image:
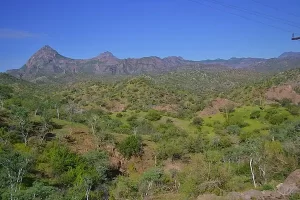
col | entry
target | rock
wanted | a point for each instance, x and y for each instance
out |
(234, 196)
(273, 195)
(291, 185)
(210, 197)
(252, 194)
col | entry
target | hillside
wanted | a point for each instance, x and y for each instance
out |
(284, 85)
(8, 79)
(149, 136)
(188, 133)
(209, 83)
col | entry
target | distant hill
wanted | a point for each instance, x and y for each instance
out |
(286, 61)
(290, 54)
(48, 62)
(7, 79)
(236, 62)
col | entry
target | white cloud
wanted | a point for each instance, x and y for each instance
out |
(17, 34)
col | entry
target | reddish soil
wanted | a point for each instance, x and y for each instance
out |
(166, 108)
(175, 165)
(81, 142)
(115, 106)
(215, 107)
(283, 92)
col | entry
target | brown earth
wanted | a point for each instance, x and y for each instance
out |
(173, 165)
(282, 92)
(166, 108)
(115, 106)
(82, 142)
(215, 107)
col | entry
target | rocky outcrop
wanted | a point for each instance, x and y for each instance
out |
(291, 184)
(283, 92)
(284, 190)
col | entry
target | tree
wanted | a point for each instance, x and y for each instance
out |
(71, 109)
(98, 161)
(5, 93)
(21, 116)
(228, 108)
(46, 120)
(38, 191)
(150, 179)
(93, 121)
(13, 165)
(131, 146)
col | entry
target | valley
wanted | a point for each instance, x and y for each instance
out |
(179, 134)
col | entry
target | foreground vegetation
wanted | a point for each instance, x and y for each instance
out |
(138, 138)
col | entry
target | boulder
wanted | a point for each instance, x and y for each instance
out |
(291, 185)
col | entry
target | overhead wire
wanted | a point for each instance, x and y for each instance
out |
(270, 17)
(275, 8)
(241, 16)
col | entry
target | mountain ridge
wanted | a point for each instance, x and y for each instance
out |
(49, 62)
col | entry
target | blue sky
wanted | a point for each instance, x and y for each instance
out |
(137, 28)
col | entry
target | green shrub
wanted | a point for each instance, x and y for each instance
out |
(133, 120)
(169, 121)
(294, 197)
(270, 112)
(236, 121)
(297, 89)
(267, 187)
(124, 188)
(255, 114)
(233, 129)
(131, 146)
(285, 102)
(174, 149)
(293, 109)
(145, 127)
(153, 115)
(119, 115)
(5, 91)
(277, 119)
(198, 121)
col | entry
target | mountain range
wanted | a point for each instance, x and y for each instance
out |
(48, 62)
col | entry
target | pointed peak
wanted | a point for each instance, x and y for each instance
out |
(174, 58)
(106, 54)
(47, 49)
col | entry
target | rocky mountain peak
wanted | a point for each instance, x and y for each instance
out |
(174, 58)
(106, 55)
(108, 58)
(46, 50)
(43, 55)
